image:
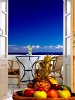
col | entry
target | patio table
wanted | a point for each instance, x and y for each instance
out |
(29, 68)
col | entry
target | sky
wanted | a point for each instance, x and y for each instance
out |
(38, 23)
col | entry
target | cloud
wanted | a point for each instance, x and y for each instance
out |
(53, 47)
(46, 47)
(24, 47)
(15, 48)
(12, 45)
(50, 46)
(35, 48)
(59, 46)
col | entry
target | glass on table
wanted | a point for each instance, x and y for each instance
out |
(30, 50)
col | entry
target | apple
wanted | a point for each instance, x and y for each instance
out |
(24, 90)
(52, 93)
(28, 92)
(55, 86)
(40, 94)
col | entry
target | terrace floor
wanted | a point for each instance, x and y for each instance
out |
(13, 88)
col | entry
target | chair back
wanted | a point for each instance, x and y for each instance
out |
(59, 63)
(13, 67)
(14, 70)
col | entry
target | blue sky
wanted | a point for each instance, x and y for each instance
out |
(35, 22)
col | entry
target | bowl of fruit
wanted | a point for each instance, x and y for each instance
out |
(55, 92)
(43, 86)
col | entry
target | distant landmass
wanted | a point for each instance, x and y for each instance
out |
(37, 53)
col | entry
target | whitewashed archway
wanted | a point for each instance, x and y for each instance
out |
(69, 43)
(3, 48)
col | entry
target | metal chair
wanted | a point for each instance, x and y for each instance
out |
(14, 72)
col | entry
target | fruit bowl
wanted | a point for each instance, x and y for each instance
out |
(17, 96)
(43, 86)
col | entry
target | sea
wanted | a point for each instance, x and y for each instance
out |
(36, 53)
